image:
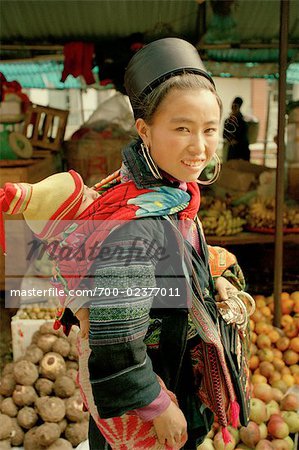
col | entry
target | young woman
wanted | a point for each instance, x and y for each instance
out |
(154, 329)
(162, 338)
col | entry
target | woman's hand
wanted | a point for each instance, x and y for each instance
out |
(83, 316)
(171, 427)
(223, 287)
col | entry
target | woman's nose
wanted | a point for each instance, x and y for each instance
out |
(198, 144)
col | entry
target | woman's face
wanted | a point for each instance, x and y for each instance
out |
(184, 133)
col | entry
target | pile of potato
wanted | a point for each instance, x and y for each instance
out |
(45, 310)
(40, 403)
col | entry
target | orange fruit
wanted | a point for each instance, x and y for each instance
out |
(287, 306)
(278, 363)
(263, 341)
(296, 320)
(271, 306)
(261, 327)
(284, 296)
(277, 353)
(296, 306)
(294, 368)
(290, 357)
(275, 377)
(285, 370)
(253, 362)
(253, 337)
(274, 336)
(294, 344)
(266, 311)
(286, 320)
(253, 349)
(266, 368)
(283, 343)
(288, 379)
(257, 378)
(265, 354)
(257, 316)
(291, 330)
(295, 295)
(260, 301)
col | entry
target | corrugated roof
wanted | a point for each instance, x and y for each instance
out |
(259, 20)
(261, 55)
(24, 22)
(65, 20)
(46, 75)
(41, 74)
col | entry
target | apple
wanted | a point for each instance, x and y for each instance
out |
(280, 444)
(278, 428)
(242, 446)
(263, 391)
(277, 394)
(207, 444)
(272, 408)
(266, 368)
(292, 419)
(250, 434)
(263, 430)
(258, 411)
(290, 402)
(276, 416)
(281, 385)
(235, 433)
(219, 443)
(263, 444)
(290, 442)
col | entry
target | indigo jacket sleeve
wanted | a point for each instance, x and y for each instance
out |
(121, 372)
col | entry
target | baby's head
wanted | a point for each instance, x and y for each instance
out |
(44, 205)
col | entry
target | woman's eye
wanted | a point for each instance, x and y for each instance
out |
(211, 130)
(183, 129)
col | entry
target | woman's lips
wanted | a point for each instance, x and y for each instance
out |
(193, 165)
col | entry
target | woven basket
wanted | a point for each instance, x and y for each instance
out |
(94, 157)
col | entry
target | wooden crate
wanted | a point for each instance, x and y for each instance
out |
(31, 171)
(45, 127)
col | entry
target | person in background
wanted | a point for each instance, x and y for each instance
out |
(235, 133)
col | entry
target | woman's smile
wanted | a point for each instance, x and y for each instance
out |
(184, 132)
(194, 164)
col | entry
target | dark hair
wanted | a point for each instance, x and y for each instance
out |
(148, 104)
(238, 101)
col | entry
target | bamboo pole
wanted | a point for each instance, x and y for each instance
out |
(278, 256)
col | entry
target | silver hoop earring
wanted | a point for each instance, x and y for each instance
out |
(216, 172)
(150, 162)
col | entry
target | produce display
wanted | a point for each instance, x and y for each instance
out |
(261, 214)
(228, 216)
(219, 219)
(36, 311)
(40, 403)
(274, 357)
(41, 407)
